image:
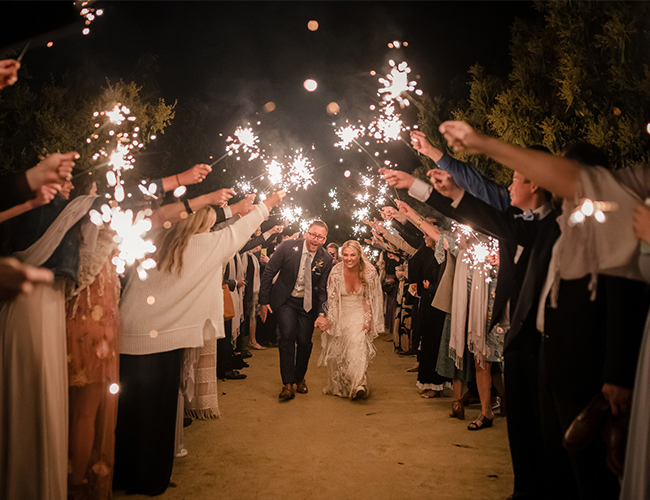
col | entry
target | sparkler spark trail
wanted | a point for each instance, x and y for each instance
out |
(246, 140)
(348, 135)
(130, 231)
(396, 83)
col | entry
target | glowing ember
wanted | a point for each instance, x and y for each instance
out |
(245, 139)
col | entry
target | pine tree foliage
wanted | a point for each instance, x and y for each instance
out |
(580, 71)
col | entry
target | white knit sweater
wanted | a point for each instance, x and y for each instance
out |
(188, 309)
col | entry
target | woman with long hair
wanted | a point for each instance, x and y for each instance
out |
(355, 317)
(179, 306)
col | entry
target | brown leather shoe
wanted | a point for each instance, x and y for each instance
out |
(287, 393)
(301, 388)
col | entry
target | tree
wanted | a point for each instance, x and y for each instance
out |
(59, 117)
(580, 71)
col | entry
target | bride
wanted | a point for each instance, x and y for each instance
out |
(355, 317)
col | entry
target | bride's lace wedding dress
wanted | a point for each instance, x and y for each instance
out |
(356, 318)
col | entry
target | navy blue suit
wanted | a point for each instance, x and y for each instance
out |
(296, 324)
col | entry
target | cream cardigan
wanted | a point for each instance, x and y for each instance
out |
(186, 309)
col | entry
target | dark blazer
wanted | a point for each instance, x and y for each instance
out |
(286, 261)
(521, 282)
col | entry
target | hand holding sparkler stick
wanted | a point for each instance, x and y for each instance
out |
(422, 145)
(176, 211)
(397, 178)
(53, 169)
(462, 137)
(274, 199)
(243, 206)
(191, 176)
(444, 183)
(8, 72)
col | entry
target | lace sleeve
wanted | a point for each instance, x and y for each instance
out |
(373, 303)
(333, 306)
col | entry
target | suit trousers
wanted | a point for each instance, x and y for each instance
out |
(524, 413)
(224, 351)
(295, 345)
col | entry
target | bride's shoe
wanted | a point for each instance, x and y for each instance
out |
(360, 393)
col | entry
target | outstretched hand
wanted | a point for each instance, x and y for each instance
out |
(274, 199)
(462, 137)
(397, 178)
(53, 169)
(243, 206)
(444, 183)
(220, 197)
(8, 72)
(195, 174)
(422, 145)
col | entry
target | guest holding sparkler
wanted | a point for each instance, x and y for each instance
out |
(186, 312)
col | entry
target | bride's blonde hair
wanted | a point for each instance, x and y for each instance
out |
(363, 261)
(175, 241)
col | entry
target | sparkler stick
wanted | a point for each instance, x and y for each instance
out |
(22, 54)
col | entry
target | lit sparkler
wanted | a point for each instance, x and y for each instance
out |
(246, 140)
(396, 83)
(349, 134)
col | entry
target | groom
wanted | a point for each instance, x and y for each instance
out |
(296, 297)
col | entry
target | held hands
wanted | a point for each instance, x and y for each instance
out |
(195, 174)
(322, 323)
(220, 197)
(8, 72)
(53, 169)
(444, 183)
(641, 223)
(462, 137)
(274, 199)
(397, 178)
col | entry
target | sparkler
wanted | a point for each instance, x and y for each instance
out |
(348, 135)
(244, 139)
(396, 83)
(478, 254)
(130, 231)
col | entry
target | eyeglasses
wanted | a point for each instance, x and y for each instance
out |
(317, 237)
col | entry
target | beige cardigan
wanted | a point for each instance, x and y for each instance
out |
(187, 309)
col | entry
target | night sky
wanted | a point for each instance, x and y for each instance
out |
(236, 56)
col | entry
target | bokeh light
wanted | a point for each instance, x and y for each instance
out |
(312, 25)
(333, 108)
(310, 85)
(269, 107)
(346, 173)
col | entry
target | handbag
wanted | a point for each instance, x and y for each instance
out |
(228, 306)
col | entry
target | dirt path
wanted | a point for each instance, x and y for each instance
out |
(394, 445)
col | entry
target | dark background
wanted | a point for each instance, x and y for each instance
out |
(230, 58)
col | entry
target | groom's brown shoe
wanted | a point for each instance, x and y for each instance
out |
(302, 387)
(287, 393)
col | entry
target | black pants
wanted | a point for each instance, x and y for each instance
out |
(521, 381)
(296, 329)
(224, 351)
(431, 322)
(146, 422)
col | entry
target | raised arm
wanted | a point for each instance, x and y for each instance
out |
(465, 175)
(554, 173)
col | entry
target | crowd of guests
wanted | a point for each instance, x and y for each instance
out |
(508, 296)
(561, 306)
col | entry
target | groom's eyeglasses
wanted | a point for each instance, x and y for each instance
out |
(317, 237)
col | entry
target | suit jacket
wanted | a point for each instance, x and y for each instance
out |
(286, 261)
(521, 282)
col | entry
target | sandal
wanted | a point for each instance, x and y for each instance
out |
(482, 422)
(430, 394)
(457, 410)
(256, 346)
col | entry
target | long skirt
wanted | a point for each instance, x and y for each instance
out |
(34, 396)
(146, 422)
